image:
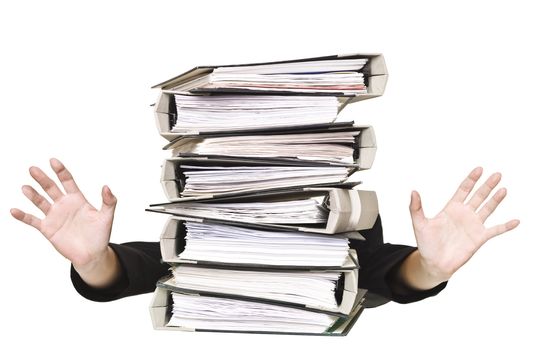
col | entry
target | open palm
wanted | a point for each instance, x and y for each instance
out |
(450, 239)
(75, 228)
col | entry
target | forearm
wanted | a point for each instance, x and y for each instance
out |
(416, 274)
(103, 272)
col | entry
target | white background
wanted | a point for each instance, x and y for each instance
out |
(463, 91)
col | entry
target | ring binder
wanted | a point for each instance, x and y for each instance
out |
(222, 183)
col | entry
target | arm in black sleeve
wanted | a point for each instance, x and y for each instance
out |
(141, 267)
(379, 266)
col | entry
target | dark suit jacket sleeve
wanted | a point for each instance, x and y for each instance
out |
(141, 268)
(379, 264)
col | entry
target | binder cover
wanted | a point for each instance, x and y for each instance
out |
(348, 295)
(172, 243)
(161, 312)
(365, 145)
(375, 73)
(173, 179)
(349, 210)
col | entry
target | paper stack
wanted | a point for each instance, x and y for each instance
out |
(262, 209)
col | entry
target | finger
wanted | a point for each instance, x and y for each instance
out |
(109, 201)
(38, 200)
(48, 185)
(417, 212)
(502, 228)
(28, 219)
(467, 185)
(483, 191)
(490, 206)
(64, 176)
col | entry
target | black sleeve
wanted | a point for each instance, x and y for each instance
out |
(379, 263)
(141, 268)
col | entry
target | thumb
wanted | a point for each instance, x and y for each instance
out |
(417, 213)
(109, 201)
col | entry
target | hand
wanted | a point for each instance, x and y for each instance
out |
(74, 227)
(448, 240)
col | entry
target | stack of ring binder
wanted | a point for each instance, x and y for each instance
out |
(260, 201)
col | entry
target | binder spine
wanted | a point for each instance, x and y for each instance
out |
(369, 209)
(168, 240)
(340, 211)
(160, 308)
(349, 293)
(350, 210)
(165, 115)
(170, 188)
(377, 65)
(172, 180)
(367, 138)
(376, 76)
(366, 157)
(366, 148)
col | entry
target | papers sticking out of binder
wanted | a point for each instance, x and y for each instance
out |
(199, 176)
(240, 112)
(263, 206)
(331, 292)
(331, 144)
(344, 75)
(172, 310)
(323, 210)
(186, 114)
(213, 98)
(190, 241)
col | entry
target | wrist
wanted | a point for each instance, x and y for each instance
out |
(102, 271)
(432, 271)
(418, 273)
(94, 262)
